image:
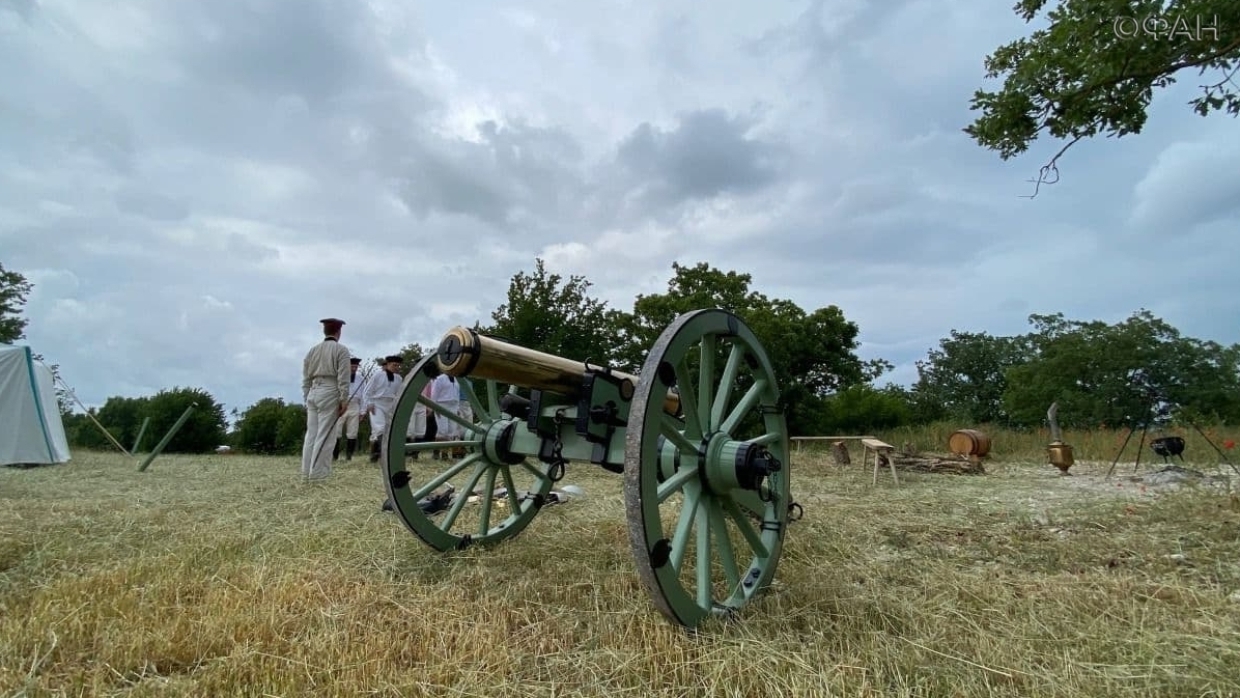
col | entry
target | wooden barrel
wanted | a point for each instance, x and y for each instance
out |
(969, 442)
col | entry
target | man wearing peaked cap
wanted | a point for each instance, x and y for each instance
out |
(349, 423)
(381, 392)
(325, 390)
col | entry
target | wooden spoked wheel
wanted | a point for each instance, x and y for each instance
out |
(470, 490)
(707, 493)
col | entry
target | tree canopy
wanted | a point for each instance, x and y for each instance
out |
(813, 354)
(1115, 374)
(271, 427)
(966, 377)
(1096, 66)
(551, 314)
(203, 431)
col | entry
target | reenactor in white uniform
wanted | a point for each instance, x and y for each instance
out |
(380, 399)
(325, 389)
(349, 423)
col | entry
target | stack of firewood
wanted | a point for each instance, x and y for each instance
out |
(909, 459)
(929, 463)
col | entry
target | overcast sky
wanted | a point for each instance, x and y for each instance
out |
(191, 186)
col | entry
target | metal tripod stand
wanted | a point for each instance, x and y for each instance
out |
(1145, 427)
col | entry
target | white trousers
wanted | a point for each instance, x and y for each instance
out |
(382, 416)
(349, 423)
(417, 425)
(448, 429)
(316, 455)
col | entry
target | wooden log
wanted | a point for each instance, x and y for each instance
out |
(938, 464)
(839, 453)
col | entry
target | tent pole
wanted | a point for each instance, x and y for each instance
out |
(163, 443)
(141, 431)
(94, 421)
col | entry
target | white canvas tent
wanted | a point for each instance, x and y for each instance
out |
(30, 428)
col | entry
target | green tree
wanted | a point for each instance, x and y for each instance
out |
(271, 427)
(551, 314)
(205, 429)
(122, 417)
(1095, 68)
(81, 433)
(965, 378)
(860, 409)
(1092, 369)
(292, 429)
(14, 289)
(813, 354)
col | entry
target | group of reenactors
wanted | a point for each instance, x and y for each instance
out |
(338, 397)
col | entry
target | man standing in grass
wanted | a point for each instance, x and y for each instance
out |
(348, 425)
(325, 389)
(381, 392)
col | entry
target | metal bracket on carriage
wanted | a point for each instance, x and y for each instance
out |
(551, 447)
(599, 407)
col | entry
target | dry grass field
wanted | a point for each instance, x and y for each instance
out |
(225, 576)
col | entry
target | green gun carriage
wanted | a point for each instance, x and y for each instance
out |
(698, 437)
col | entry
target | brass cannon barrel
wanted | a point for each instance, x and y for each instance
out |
(464, 352)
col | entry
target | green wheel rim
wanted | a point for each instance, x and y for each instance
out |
(703, 548)
(474, 513)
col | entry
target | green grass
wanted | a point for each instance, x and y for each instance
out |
(224, 575)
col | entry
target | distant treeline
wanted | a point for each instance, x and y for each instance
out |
(1100, 374)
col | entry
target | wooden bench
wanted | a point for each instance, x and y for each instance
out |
(880, 449)
(801, 439)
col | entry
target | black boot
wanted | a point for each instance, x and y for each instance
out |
(376, 450)
(350, 448)
(336, 451)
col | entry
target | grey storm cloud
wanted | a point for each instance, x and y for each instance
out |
(192, 186)
(508, 171)
(708, 153)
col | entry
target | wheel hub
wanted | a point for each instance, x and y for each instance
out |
(728, 465)
(497, 443)
(754, 464)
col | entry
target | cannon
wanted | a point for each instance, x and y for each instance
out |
(698, 436)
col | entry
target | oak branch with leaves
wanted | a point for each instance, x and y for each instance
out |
(1093, 71)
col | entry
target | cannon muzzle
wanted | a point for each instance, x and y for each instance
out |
(464, 352)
